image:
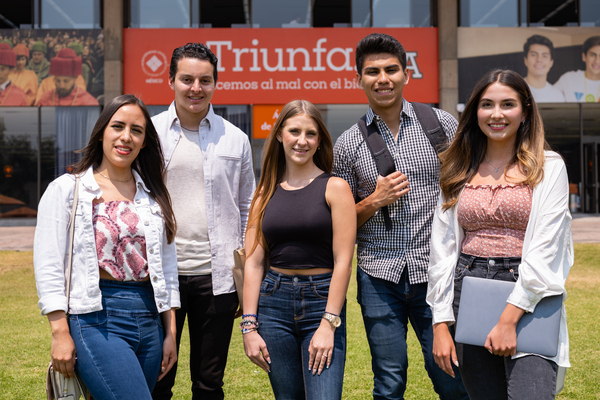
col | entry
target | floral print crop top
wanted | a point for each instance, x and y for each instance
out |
(120, 240)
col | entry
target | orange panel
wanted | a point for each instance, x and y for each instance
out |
(263, 119)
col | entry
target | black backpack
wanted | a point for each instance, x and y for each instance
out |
(383, 159)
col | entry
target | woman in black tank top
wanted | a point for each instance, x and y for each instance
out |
(302, 228)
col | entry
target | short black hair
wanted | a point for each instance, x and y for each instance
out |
(378, 43)
(193, 50)
(589, 43)
(538, 39)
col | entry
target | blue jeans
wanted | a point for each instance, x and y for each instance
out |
(119, 349)
(290, 310)
(491, 377)
(387, 307)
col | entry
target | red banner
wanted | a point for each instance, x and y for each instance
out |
(276, 65)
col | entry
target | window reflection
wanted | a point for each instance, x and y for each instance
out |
(361, 13)
(281, 13)
(18, 158)
(489, 13)
(76, 14)
(401, 13)
(590, 12)
(161, 13)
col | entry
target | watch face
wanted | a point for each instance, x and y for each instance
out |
(334, 320)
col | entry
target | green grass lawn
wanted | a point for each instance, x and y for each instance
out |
(25, 341)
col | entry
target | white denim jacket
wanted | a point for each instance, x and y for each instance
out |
(228, 186)
(546, 259)
(50, 252)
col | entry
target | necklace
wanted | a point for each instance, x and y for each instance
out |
(496, 169)
(112, 179)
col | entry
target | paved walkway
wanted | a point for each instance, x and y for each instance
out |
(586, 229)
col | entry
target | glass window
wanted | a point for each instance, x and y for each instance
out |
(224, 13)
(489, 13)
(591, 119)
(339, 117)
(331, 13)
(73, 127)
(401, 13)
(361, 13)
(553, 13)
(76, 14)
(160, 13)
(590, 12)
(281, 13)
(561, 125)
(19, 160)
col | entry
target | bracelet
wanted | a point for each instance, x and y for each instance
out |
(249, 315)
(248, 325)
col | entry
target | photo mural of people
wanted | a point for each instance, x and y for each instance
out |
(560, 65)
(52, 66)
(584, 85)
(539, 58)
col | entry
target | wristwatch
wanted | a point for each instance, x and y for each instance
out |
(333, 319)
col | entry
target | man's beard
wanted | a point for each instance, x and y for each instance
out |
(64, 92)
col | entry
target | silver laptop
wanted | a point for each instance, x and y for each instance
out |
(482, 301)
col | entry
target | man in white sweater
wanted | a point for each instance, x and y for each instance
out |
(210, 179)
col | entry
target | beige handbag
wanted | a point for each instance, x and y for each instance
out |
(57, 385)
(239, 260)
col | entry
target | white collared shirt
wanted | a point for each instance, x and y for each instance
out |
(50, 248)
(228, 185)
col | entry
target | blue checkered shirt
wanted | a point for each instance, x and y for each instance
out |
(384, 254)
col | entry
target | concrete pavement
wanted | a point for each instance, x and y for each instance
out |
(586, 229)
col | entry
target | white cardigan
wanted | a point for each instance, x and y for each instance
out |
(546, 259)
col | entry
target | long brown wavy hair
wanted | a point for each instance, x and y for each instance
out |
(149, 163)
(273, 162)
(461, 160)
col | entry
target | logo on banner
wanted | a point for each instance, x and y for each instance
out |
(154, 63)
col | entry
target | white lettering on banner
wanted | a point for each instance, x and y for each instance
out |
(237, 85)
(411, 57)
(265, 127)
(347, 52)
(306, 59)
(219, 43)
(220, 47)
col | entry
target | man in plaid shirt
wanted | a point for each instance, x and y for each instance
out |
(392, 273)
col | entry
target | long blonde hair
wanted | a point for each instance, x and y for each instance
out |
(273, 162)
(461, 160)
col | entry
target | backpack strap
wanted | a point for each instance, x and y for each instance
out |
(381, 154)
(431, 126)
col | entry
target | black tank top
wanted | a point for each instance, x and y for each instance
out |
(297, 227)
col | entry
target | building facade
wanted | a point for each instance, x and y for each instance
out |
(274, 51)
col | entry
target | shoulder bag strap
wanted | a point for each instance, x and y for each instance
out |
(71, 234)
(381, 154)
(431, 126)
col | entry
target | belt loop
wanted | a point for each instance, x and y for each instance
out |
(470, 261)
(310, 279)
(506, 263)
(278, 281)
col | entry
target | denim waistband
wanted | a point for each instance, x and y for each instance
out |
(299, 279)
(490, 262)
(127, 297)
